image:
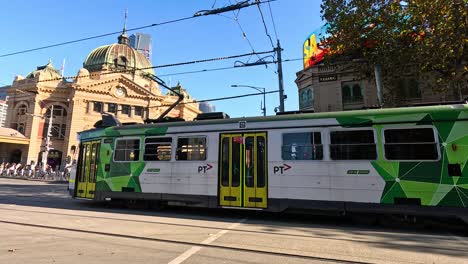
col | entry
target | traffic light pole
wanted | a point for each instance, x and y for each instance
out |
(47, 142)
(280, 77)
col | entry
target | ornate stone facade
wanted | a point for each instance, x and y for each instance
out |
(338, 87)
(112, 81)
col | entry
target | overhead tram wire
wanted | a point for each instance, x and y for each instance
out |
(170, 74)
(225, 68)
(244, 35)
(158, 66)
(95, 37)
(272, 20)
(220, 98)
(265, 26)
(196, 15)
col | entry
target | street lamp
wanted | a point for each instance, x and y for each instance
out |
(260, 89)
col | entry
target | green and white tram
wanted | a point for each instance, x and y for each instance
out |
(405, 160)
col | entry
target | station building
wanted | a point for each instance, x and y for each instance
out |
(113, 80)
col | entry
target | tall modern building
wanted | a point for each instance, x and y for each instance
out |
(142, 43)
(3, 93)
(3, 113)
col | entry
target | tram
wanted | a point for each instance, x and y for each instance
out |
(409, 160)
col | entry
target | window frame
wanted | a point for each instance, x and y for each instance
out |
(115, 148)
(128, 108)
(172, 156)
(116, 108)
(101, 106)
(329, 139)
(436, 141)
(322, 138)
(353, 99)
(141, 114)
(191, 136)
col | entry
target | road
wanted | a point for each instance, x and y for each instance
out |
(39, 223)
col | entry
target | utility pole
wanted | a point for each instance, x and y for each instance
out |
(45, 153)
(379, 84)
(280, 77)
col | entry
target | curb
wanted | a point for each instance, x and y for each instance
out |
(38, 180)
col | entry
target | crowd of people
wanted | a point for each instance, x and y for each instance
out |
(33, 171)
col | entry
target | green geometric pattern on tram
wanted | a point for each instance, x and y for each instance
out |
(432, 172)
(354, 121)
(102, 186)
(421, 190)
(156, 131)
(125, 175)
(430, 181)
(444, 128)
(454, 198)
(392, 190)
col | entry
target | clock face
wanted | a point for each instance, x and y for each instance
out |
(120, 92)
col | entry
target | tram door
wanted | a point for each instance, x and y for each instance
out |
(87, 169)
(243, 170)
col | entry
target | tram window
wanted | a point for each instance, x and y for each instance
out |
(225, 162)
(249, 162)
(261, 161)
(352, 145)
(302, 146)
(236, 163)
(191, 148)
(157, 149)
(127, 150)
(410, 144)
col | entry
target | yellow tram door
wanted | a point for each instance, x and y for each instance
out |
(83, 164)
(243, 170)
(230, 170)
(255, 171)
(87, 169)
(93, 167)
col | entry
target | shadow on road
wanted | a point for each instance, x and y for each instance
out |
(434, 237)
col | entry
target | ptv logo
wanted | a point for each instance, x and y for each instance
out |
(281, 169)
(203, 169)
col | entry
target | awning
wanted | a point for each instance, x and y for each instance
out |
(14, 140)
(11, 136)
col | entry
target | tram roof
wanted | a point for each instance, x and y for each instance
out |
(353, 114)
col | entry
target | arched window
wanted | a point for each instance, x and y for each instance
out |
(310, 96)
(306, 97)
(19, 120)
(21, 128)
(59, 122)
(121, 62)
(357, 93)
(59, 111)
(351, 92)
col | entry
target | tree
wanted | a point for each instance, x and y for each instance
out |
(420, 37)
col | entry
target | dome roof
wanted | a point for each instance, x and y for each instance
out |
(117, 56)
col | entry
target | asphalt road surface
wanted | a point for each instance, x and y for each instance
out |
(39, 223)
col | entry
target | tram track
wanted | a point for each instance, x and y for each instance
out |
(186, 243)
(232, 230)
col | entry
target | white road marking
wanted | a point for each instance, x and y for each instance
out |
(193, 250)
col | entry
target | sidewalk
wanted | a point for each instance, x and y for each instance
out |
(43, 179)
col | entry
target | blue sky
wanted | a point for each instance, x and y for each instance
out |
(31, 24)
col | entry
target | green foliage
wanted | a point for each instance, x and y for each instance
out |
(427, 37)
